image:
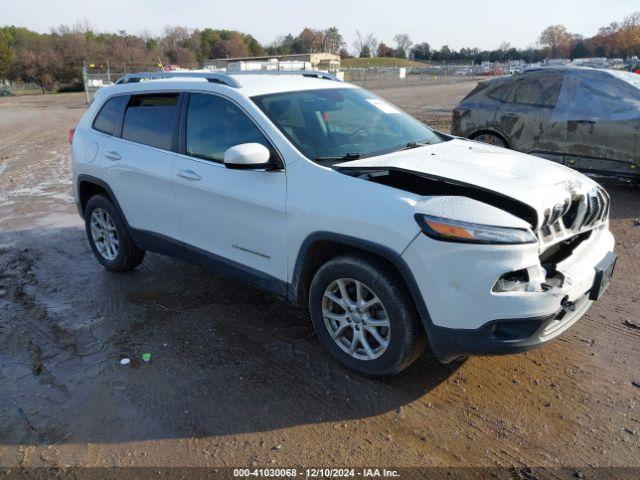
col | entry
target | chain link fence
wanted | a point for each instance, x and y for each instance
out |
(379, 77)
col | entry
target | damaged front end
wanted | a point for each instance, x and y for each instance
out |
(501, 297)
(559, 228)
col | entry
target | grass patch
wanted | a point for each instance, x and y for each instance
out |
(379, 62)
(28, 91)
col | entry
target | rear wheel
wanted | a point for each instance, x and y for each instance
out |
(108, 236)
(491, 139)
(364, 316)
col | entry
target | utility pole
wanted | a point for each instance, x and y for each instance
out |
(85, 81)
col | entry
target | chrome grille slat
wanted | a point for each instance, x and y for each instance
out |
(577, 213)
(596, 207)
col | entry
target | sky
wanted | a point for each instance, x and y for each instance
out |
(458, 23)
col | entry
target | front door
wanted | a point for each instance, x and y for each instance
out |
(603, 124)
(235, 218)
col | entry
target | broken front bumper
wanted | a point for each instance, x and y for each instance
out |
(501, 337)
(466, 317)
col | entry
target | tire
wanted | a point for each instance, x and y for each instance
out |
(491, 139)
(404, 338)
(108, 236)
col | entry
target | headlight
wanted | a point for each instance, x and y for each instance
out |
(454, 231)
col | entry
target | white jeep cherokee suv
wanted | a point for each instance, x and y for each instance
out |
(321, 192)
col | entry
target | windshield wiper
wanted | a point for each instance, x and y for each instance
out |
(415, 144)
(344, 158)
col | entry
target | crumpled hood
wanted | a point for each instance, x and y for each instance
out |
(534, 181)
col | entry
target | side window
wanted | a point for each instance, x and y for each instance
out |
(600, 96)
(501, 91)
(538, 89)
(149, 119)
(214, 125)
(109, 116)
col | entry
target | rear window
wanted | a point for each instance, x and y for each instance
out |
(109, 116)
(149, 119)
(540, 89)
(500, 92)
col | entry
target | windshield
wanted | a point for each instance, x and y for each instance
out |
(343, 123)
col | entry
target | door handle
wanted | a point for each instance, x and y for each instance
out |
(112, 155)
(189, 175)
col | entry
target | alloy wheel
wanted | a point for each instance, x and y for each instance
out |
(356, 319)
(104, 234)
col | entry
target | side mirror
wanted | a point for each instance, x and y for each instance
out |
(247, 156)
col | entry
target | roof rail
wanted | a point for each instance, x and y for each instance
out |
(225, 78)
(213, 77)
(304, 73)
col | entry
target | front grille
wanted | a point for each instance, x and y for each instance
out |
(574, 215)
(552, 216)
(569, 218)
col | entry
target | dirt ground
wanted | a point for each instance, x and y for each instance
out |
(238, 378)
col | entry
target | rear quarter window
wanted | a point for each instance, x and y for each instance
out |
(478, 88)
(110, 114)
(150, 119)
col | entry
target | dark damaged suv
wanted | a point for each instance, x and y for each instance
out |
(584, 118)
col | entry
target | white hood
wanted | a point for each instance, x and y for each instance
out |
(531, 180)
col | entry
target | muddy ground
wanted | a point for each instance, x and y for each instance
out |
(238, 378)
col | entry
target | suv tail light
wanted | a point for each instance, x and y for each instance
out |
(71, 134)
(459, 112)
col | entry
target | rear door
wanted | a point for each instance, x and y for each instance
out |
(529, 118)
(139, 164)
(236, 218)
(603, 123)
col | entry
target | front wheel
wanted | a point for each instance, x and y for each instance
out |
(491, 139)
(364, 316)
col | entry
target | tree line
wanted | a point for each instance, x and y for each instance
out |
(616, 40)
(55, 59)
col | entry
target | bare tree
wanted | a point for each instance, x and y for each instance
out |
(359, 43)
(176, 36)
(403, 44)
(372, 42)
(365, 45)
